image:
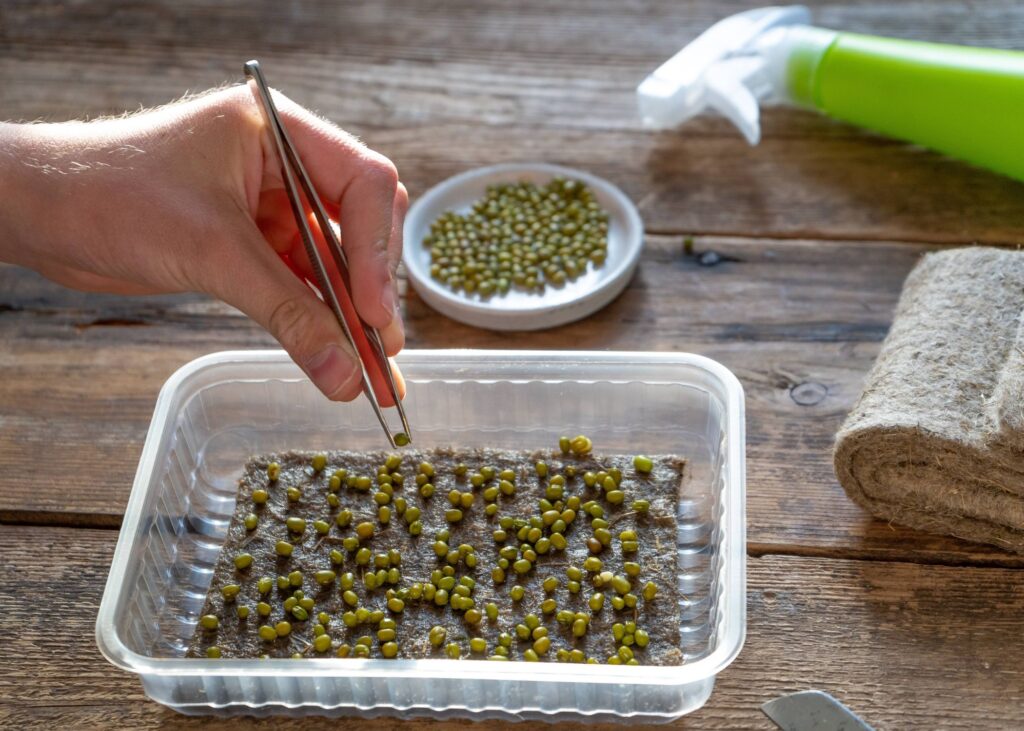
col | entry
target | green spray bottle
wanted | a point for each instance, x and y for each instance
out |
(962, 101)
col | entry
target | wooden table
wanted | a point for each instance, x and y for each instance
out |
(814, 230)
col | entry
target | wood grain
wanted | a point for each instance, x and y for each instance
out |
(917, 647)
(798, 322)
(443, 87)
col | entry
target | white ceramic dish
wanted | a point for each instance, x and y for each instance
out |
(521, 310)
(220, 409)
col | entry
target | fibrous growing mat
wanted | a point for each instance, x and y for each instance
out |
(936, 441)
(483, 554)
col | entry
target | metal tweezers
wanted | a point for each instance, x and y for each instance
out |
(365, 340)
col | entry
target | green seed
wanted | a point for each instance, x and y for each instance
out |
(401, 439)
(322, 643)
(365, 530)
(550, 584)
(592, 564)
(263, 609)
(621, 584)
(284, 548)
(251, 521)
(395, 604)
(579, 627)
(264, 585)
(273, 471)
(209, 621)
(296, 525)
(580, 445)
(322, 527)
(427, 489)
(542, 469)
(573, 587)
(300, 613)
(324, 577)
(596, 601)
(319, 462)
(294, 494)
(260, 496)
(650, 590)
(437, 635)
(384, 515)
(631, 568)
(641, 506)
(389, 649)
(343, 519)
(267, 633)
(230, 592)
(461, 470)
(213, 652)
(564, 444)
(350, 598)
(473, 616)
(615, 497)
(522, 566)
(517, 593)
(283, 628)
(453, 651)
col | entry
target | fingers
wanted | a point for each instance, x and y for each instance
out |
(364, 184)
(253, 279)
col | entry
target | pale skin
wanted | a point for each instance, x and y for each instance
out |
(189, 198)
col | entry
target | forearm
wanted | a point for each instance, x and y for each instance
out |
(26, 182)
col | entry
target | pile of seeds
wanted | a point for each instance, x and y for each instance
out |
(523, 556)
(521, 235)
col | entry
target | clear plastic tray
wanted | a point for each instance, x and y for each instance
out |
(218, 410)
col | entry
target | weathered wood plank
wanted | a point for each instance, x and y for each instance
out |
(444, 87)
(906, 646)
(799, 323)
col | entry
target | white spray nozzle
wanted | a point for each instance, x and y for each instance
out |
(727, 68)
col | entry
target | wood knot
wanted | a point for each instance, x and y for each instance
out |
(808, 393)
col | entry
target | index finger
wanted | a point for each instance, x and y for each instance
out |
(363, 184)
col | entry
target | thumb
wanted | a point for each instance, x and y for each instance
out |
(259, 284)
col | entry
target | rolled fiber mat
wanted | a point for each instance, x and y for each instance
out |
(936, 441)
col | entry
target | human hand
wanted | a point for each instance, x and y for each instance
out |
(189, 197)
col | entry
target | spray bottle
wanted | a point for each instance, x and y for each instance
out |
(963, 101)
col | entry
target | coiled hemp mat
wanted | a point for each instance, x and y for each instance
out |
(936, 441)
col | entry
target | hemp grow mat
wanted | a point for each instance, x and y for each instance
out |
(936, 441)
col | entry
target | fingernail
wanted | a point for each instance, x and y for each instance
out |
(394, 334)
(331, 369)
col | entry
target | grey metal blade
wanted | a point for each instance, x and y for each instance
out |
(812, 710)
